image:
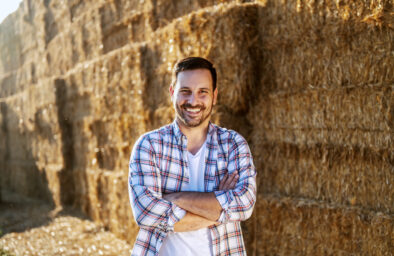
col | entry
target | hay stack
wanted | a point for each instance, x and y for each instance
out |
(323, 129)
(308, 83)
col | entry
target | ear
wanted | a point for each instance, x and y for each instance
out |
(171, 90)
(215, 96)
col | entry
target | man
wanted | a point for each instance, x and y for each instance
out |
(191, 183)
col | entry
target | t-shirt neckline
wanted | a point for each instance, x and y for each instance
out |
(199, 151)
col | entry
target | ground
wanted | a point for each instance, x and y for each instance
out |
(35, 228)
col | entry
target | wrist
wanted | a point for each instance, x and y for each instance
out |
(172, 197)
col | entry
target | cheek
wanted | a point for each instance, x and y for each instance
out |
(208, 101)
(179, 101)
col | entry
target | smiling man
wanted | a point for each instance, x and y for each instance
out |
(191, 182)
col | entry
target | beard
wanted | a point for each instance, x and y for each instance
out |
(186, 120)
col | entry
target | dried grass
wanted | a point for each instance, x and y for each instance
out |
(343, 175)
(349, 116)
(312, 44)
(36, 229)
(305, 227)
(100, 195)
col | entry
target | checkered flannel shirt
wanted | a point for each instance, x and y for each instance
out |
(158, 165)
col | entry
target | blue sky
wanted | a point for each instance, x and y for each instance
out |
(7, 7)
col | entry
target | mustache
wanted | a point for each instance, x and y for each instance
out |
(187, 105)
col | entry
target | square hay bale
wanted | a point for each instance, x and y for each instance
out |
(304, 227)
(341, 175)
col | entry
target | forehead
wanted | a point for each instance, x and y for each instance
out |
(194, 78)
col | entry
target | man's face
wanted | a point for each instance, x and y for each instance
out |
(193, 97)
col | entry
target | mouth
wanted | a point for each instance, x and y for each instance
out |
(193, 111)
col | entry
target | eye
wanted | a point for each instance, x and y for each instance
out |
(184, 91)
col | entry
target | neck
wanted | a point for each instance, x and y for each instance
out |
(196, 136)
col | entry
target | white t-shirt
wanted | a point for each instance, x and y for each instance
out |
(192, 243)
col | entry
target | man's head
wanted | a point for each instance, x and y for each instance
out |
(193, 91)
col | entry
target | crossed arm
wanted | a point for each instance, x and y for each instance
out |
(202, 208)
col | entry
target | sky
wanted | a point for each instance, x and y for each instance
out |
(7, 7)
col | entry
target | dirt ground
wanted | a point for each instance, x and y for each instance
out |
(35, 228)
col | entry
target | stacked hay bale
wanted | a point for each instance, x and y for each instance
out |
(323, 129)
(308, 83)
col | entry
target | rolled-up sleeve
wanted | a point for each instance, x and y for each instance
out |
(150, 210)
(237, 204)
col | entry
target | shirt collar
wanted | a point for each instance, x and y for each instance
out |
(177, 131)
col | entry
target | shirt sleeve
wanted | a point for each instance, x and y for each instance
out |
(149, 209)
(237, 204)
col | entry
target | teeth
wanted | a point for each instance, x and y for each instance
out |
(193, 110)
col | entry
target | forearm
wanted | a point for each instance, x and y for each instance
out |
(203, 204)
(192, 222)
(149, 210)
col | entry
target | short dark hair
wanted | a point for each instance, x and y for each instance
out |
(191, 63)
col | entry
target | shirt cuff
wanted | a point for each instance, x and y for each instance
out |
(224, 198)
(176, 214)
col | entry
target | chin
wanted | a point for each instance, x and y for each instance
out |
(192, 124)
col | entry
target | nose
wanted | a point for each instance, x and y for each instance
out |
(192, 100)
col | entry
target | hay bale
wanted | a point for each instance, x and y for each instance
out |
(355, 116)
(32, 144)
(342, 175)
(307, 227)
(104, 99)
(99, 195)
(312, 43)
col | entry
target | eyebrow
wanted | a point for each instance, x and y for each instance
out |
(187, 87)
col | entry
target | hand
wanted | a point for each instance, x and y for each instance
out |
(229, 181)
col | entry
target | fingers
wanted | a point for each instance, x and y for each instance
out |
(229, 181)
(233, 181)
(223, 181)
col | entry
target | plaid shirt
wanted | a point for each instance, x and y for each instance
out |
(159, 165)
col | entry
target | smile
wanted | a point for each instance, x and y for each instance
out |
(193, 110)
